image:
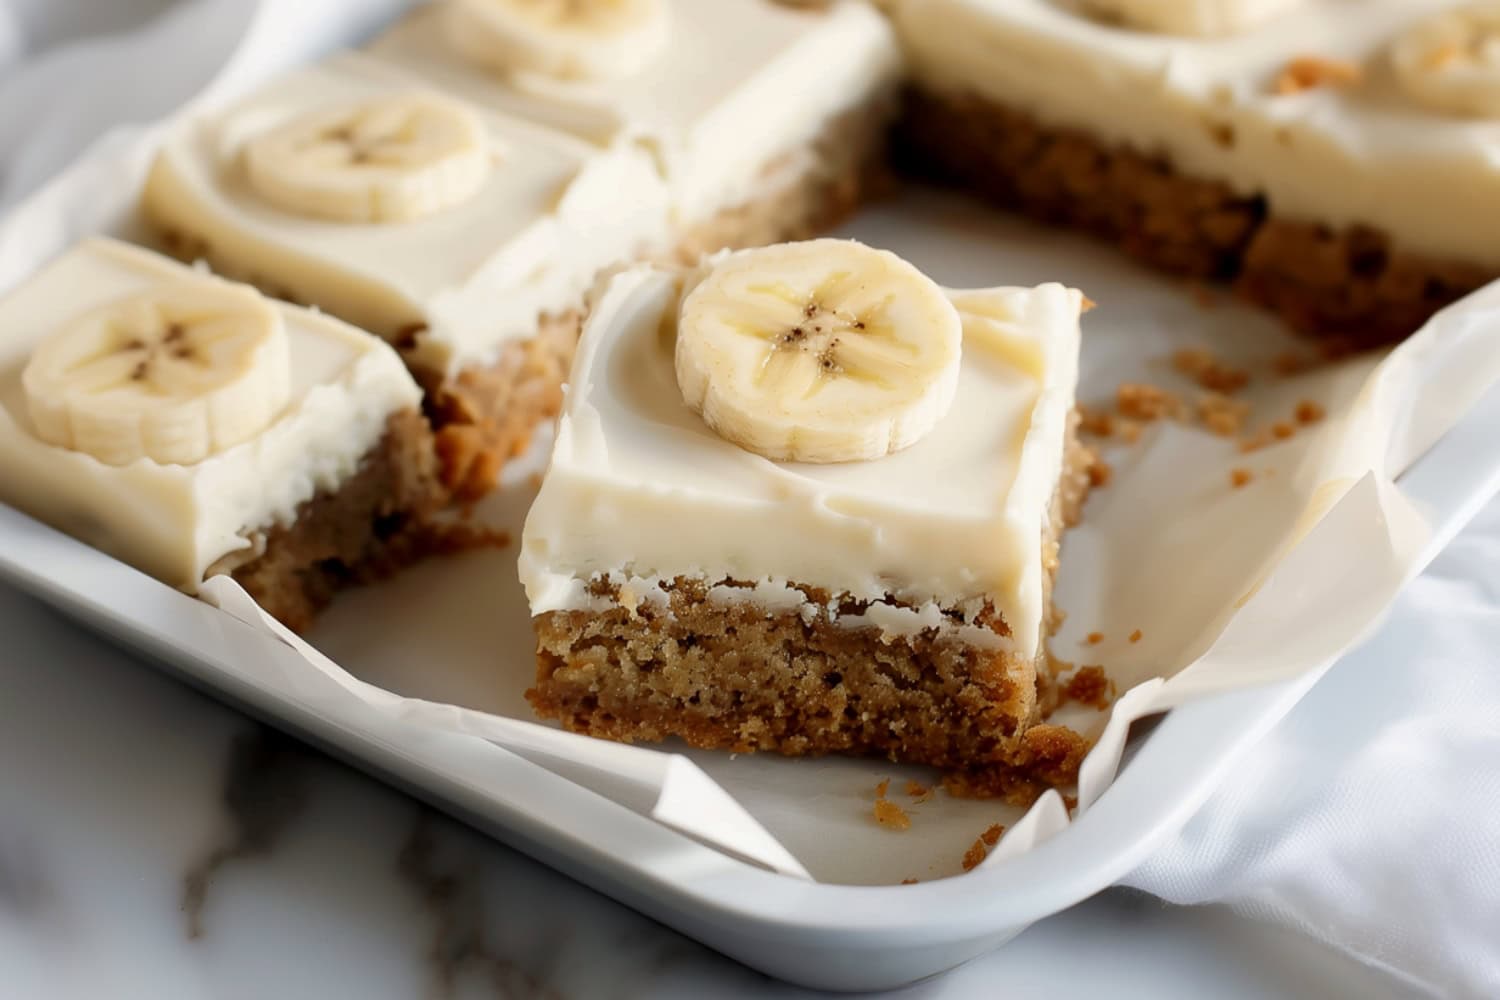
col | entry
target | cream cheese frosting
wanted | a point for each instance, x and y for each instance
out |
(640, 487)
(1368, 154)
(175, 521)
(550, 214)
(739, 85)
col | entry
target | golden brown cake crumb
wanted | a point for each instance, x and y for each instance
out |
(1070, 802)
(918, 791)
(1310, 72)
(1135, 636)
(908, 881)
(1099, 423)
(882, 788)
(1143, 401)
(974, 855)
(1093, 638)
(891, 816)
(1100, 473)
(991, 836)
(1281, 430)
(1309, 412)
(1239, 477)
(1090, 686)
(1221, 415)
(1200, 365)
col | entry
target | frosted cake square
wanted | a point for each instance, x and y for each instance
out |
(465, 237)
(1328, 157)
(804, 500)
(769, 119)
(190, 427)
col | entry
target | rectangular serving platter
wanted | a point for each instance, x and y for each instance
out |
(844, 937)
(830, 936)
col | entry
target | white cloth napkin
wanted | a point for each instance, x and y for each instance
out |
(1370, 818)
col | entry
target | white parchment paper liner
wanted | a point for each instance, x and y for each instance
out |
(1230, 588)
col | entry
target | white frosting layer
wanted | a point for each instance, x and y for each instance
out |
(552, 213)
(639, 484)
(174, 521)
(740, 85)
(1369, 154)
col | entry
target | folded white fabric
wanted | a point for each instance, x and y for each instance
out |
(1370, 818)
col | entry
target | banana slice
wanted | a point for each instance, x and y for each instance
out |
(571, 39)
(1451, 62)
(1187, 17)
(823, 351)
(173, 375)
(392, 159)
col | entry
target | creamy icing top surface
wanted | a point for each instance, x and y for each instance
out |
(639, 484)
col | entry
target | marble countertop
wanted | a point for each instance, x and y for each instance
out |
(154, 843)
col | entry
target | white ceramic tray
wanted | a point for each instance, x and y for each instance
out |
(840, 937)
(819, 934)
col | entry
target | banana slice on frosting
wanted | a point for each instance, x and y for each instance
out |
(569, 39)
(173, 375)
(1451, 61)
(392, 159)
(822, 351)
(1187, 17)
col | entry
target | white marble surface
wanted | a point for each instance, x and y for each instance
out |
(156, 844)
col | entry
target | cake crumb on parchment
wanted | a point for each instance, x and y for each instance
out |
(887, 813)
(974, 855)
(1239, 477)
(1311, 72)
(1135, 636)
(1092, 687)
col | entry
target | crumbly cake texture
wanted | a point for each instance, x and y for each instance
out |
(738, 676)
(376, 522)
(1350, 283)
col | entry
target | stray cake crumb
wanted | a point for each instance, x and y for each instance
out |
(1222, 415)
(1311, 72)
(1239, 477)
(992, 835)
(882, 788)
(918, 791)
(891, 816)
(1135, 636)
(1093, 638)
(1309, 412)
(1070, 803)
(1255, 442)
(1099, 423)
(1087, 305)
(908, 881)
(1281, 430)
(1143, 401)
(976, 853)
(1200, 364)
(1100, 473)
(1090, 686)
(1130, 431)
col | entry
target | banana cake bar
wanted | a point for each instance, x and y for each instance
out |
(1330, 157)
(465, 237)
(804, 500)
(190, 426)
(768, 121)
